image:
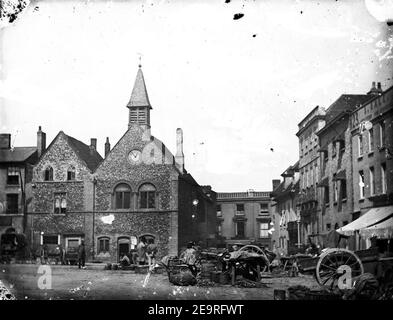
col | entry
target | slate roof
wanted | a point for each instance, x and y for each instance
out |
(91, 157)
(139, 97)
(17, 154)
(345, 103)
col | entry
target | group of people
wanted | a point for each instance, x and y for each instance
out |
(145, 253)
(60, 255)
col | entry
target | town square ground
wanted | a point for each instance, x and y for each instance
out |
(69, 282)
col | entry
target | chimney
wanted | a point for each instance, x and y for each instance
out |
(276, 183)
(107, 147)
(5, 141)
(41, 141)
(179, 158)
(93, 145)
(379, 88)
(374, 90)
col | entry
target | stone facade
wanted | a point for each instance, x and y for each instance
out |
(286, 216)
(16, 168)
(242, 215)
(372, 127)
(61, 156)
(139, 189)
(309, 162)
(336, 172)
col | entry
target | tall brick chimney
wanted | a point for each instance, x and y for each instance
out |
(107, 147)
(5, 141)
(374, 90)
(41, 141)
(179, 158)
(276, 183)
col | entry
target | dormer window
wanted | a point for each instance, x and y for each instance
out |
(48, 174)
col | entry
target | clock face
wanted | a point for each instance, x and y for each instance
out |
(134, 156)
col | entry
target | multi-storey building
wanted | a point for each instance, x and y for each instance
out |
(139, 189)
(372, 160)
(310, 209)
(244, 217)
(285, 213)
(16, 164)
(336, 172)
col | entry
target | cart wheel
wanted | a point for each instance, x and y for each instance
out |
(256, 249)
(327, 272)
(251, 248)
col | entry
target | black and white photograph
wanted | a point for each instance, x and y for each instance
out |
(180, 151)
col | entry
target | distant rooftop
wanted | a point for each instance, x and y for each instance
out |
(241, 195)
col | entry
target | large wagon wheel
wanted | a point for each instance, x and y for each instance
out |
(327, 271)
(255, 249)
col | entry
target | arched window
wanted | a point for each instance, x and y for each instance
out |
(71, 174)
(103, 244)
(122, 196)
(48, 175)
(147, 196)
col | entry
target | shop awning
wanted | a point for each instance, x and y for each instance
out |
(369, 219)
(341, 175)
(382, 230)
(323, 183)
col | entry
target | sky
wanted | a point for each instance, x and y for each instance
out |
(237, 88)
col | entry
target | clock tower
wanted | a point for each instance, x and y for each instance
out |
(139, 104)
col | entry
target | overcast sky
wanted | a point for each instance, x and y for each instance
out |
(237, 87)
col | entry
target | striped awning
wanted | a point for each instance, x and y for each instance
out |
(374, 219)
(382, 230)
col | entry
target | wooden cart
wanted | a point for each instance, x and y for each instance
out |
(330, 265)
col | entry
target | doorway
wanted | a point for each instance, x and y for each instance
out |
(123, 247)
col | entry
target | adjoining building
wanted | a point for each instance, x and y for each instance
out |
(336, 174)
(371, 128)
(16, 168)
(286, 216)
(139, 189)
(244, 218)
(309, 167)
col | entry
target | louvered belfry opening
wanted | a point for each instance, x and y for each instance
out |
(139, 104)
(139, 116)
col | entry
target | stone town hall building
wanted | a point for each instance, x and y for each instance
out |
(139, 189)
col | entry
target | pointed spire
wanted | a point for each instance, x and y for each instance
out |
(139, 97)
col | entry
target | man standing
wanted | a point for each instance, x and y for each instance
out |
(141, 248)
(151, 252)
(81, 255)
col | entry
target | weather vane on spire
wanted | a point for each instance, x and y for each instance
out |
(140, 59)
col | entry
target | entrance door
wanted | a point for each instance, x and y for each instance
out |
(123, 247)
(71, 248)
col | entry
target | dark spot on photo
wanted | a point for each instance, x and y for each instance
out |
(238, 16)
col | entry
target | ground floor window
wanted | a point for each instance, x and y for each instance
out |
(103, 245)
(219, 229)
(50, 239)
(12, 203)
(239, 229)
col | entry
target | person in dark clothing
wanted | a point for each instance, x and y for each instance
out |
(81, 255)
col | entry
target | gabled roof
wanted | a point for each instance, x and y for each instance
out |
(91, 157)
(139, 97)
(17, 154)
